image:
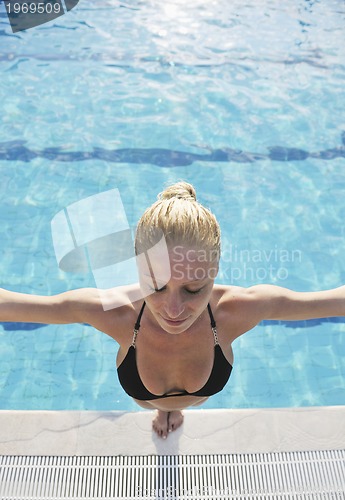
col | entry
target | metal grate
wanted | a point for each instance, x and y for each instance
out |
(266, 476)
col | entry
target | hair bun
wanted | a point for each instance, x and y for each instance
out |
(181, 190)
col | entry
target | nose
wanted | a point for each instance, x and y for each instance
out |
(174, 306)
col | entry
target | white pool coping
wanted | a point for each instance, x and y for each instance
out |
(91, 433)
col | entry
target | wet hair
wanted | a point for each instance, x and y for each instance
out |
(181, 219)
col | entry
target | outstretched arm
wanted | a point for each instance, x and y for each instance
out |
(274, 302)
(247, 307)
(77, 306)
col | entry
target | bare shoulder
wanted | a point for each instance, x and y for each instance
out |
(110, 311)
(233, 296)
(244, 308)
(237, 309)
(253, 297)
(274, 302)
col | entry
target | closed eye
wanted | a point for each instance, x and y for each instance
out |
(156, 289)
(193, 292)
(163, 288)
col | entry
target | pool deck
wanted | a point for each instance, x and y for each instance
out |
(90, 433)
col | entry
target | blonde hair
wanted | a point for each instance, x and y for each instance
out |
(181, 219)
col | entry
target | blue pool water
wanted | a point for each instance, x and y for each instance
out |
(244, 100)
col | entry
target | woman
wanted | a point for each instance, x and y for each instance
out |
(175, 345)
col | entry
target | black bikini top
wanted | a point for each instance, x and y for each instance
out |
(132, 384)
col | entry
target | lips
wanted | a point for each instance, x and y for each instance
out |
(173, 321)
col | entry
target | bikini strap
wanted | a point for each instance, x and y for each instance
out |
(137, 325)
(213, 325)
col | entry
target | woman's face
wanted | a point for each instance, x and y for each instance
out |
(177, 290)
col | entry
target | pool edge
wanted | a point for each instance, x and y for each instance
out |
(90, 433)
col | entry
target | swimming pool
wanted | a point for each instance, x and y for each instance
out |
(246, 102)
